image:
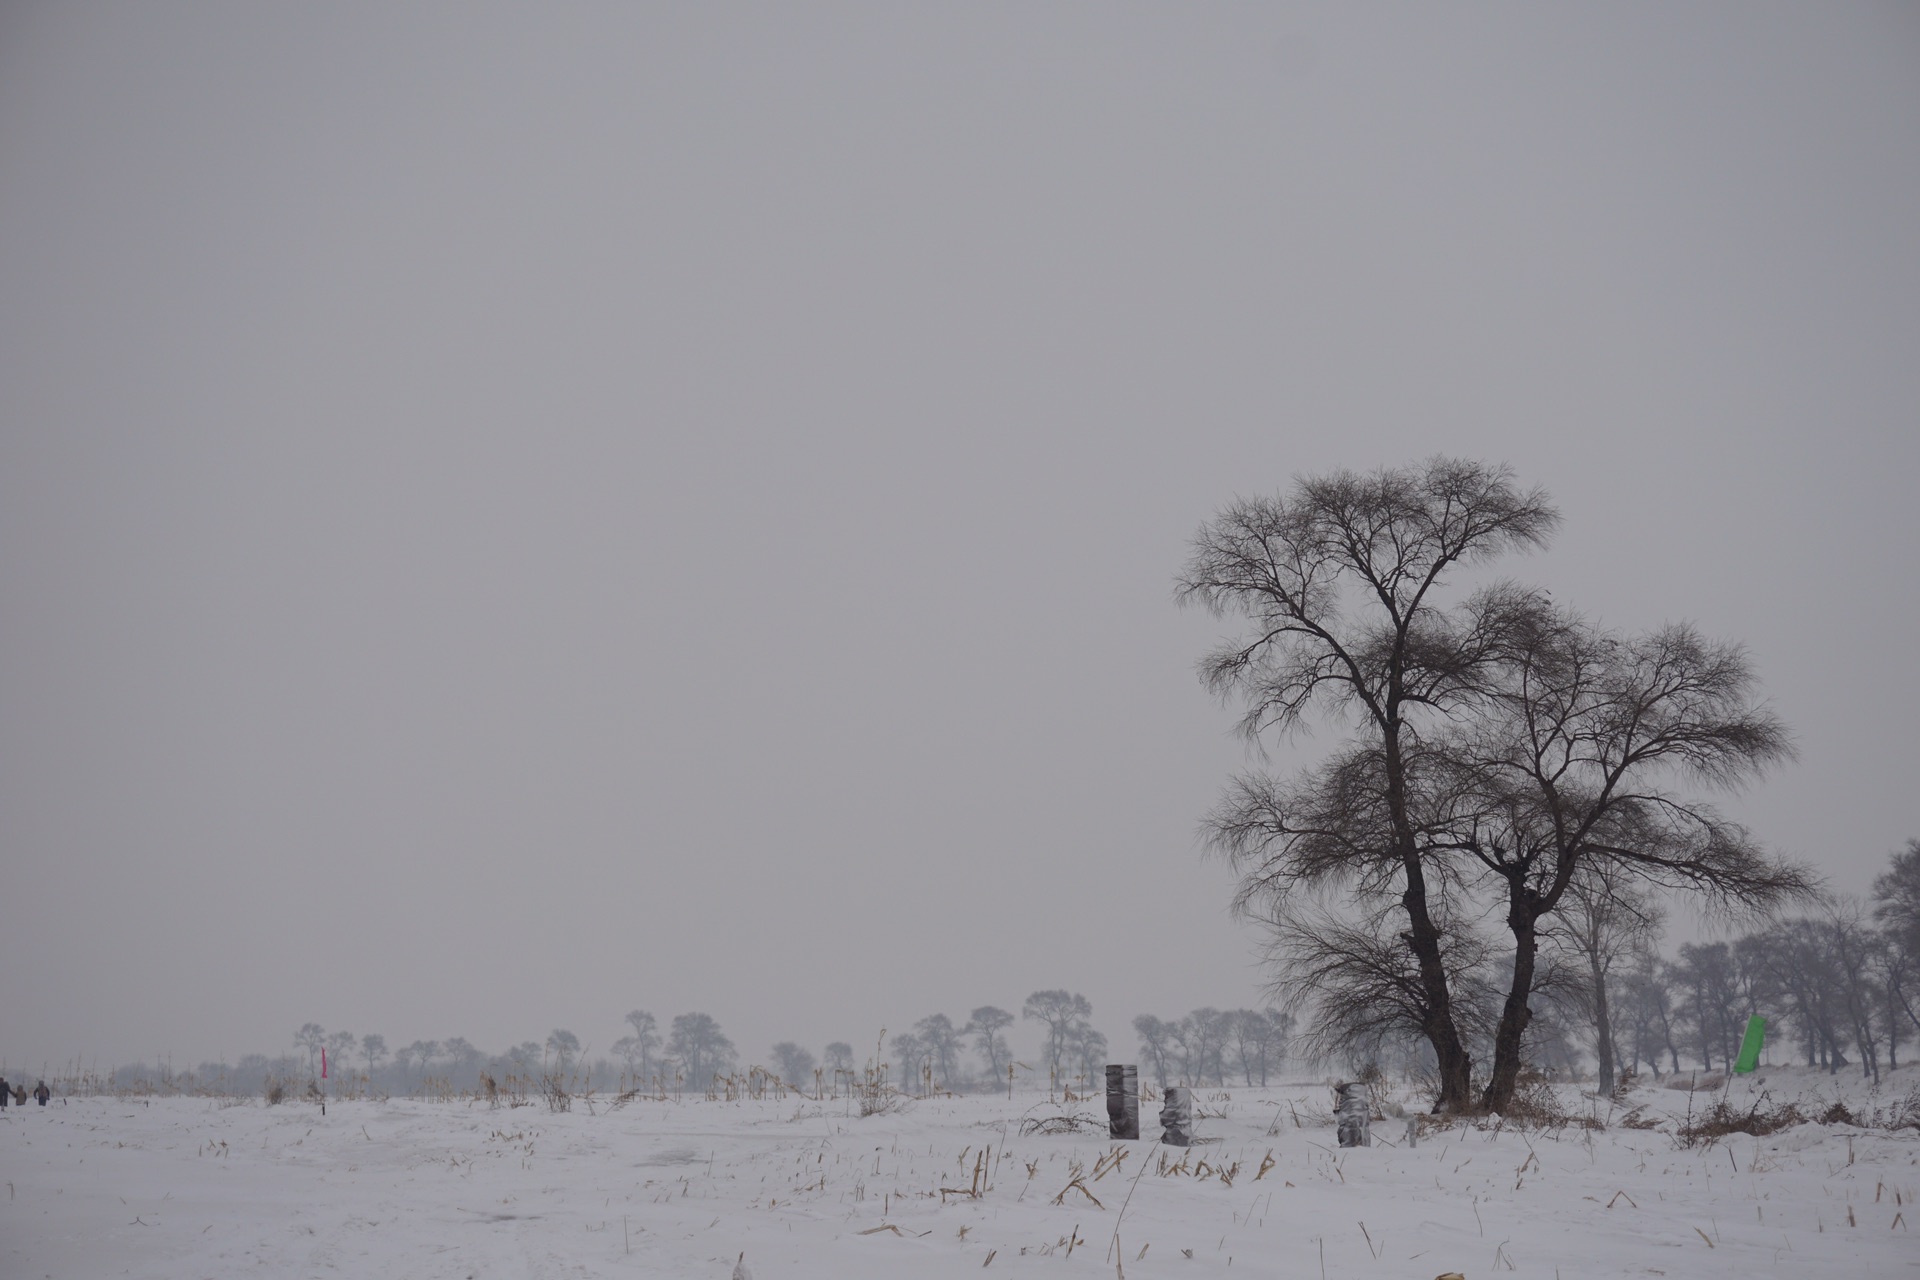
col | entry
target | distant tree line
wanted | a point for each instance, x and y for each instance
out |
(1212, 1046)
(936, 1052)
(1836, 986)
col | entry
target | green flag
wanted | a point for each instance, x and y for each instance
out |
(1750, 1047)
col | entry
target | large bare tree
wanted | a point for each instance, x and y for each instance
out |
(1587, 759)
(1340, 583)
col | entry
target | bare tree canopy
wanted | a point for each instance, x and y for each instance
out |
(1339, 579)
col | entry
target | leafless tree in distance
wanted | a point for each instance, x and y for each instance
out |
(985, 1025)
(645, 1041)
(794, 1064)
(1601, 921)
(1156, 1045)
(699, 1046)
(374, 1048)
(311, 1037)
(1063, 1014)
(942, 1041)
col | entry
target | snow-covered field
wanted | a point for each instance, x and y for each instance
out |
(185, 1187)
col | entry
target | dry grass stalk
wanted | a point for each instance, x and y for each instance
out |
(1077, 1181)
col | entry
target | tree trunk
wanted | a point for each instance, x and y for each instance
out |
(1455, 1063)
(1893, 1031)
(1602, 1024)
(1705, 1029)
(1513, 1018)
(1423, 939)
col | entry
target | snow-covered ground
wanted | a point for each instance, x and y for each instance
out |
(185, 1187)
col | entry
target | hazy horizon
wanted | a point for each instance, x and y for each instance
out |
(510, 515)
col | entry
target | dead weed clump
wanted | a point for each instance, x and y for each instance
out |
(1837, 1112)
(1901, 1114)
(1535, 1103)
(1723, 1119)
(1761, 1118)
(873, 1086)
(1057, 1118)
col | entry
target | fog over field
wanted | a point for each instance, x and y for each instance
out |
(511, 515)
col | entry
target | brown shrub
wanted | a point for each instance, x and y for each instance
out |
(1535, 1103)
(1722, 1119)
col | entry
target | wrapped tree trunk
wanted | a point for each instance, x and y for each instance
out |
(1176, 1116)
(1355, 1129)
(1123, 1101)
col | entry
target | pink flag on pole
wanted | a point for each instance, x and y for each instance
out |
(323, 1064)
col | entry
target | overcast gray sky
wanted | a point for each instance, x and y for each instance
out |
(513, 513)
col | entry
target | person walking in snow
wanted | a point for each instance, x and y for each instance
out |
(41, 1093)
(6, 1093)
